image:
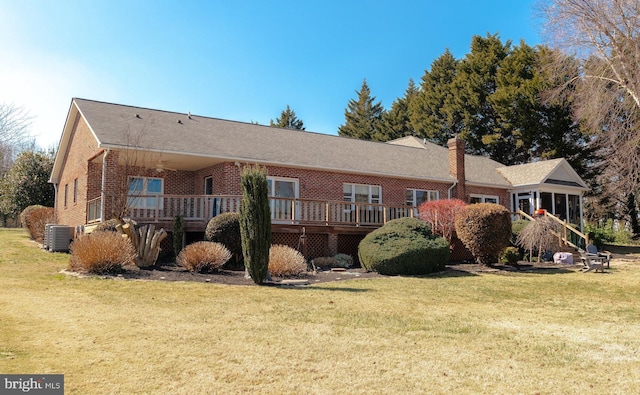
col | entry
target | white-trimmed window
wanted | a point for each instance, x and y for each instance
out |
(484, 199)
(283, 191)
(361, 193)
(415, 197)
(141, 191)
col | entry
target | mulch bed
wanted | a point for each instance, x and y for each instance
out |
(171, 272)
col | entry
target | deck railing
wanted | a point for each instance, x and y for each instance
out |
(568, 234)
(201, 208)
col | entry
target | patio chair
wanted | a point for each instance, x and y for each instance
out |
(592, 259)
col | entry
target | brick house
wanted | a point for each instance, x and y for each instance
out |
(158, 164)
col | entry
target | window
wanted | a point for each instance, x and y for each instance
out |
(415, 197)
(66, 194)
(483, 199)
(75, 191)
(283, 191)
(362, 193)
(208, 185)
(141, 191)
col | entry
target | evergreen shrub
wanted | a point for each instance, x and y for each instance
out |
(485, 229)
(255, 222)
(343, 260)
(403, 246)
(100, 252)
(225, 229)
(203, 257)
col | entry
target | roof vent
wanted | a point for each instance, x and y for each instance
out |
(179, 121)
(189, 115)
(138, 116)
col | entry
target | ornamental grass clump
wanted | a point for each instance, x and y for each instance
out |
(285, 261)
(100, 253)
(204, 257)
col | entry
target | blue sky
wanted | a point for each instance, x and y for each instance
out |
(239, 60)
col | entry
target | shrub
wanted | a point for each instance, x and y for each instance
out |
(225, 229)
(255, 222)
(441, 215)
(177, 234)
(107, 226)
(343, 260)
(100, 252)
(34, 218)
(203, 256)
(510, 256)
(516, 228)
(285, 261)
(325, 262)
(403, 246)
(485, 229)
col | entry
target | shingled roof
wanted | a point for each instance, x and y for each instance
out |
(553, 171)
(114, 126)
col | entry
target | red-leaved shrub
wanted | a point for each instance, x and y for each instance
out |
(441, 215)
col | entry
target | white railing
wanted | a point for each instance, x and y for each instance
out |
(283, 210)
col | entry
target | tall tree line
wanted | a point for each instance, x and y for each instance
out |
(491, 98)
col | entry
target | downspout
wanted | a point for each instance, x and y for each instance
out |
(55, 202)
(451, 188)
(103, 184)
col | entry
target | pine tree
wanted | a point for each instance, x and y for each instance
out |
(432, 115)
(475, 81)
(255, 222)
(363, 117)
(287, 120)
(396, 122)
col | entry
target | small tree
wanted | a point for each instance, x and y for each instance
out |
(255, 222)
(441, 215)
(485, 229)
(178, 234)
(539, 235)
(27, 183)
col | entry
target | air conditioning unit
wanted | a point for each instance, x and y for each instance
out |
(60, 238)
(47, 236)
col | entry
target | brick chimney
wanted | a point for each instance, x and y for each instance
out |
(456, 166)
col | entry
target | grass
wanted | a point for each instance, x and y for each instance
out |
(567, 332)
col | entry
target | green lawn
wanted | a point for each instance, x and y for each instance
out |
(567, 332)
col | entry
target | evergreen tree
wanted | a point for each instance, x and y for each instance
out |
(432, 114)
(255, 222)
(287, 120)
(363, 117)
(27, 183)
(396, 122)
(474, 82)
